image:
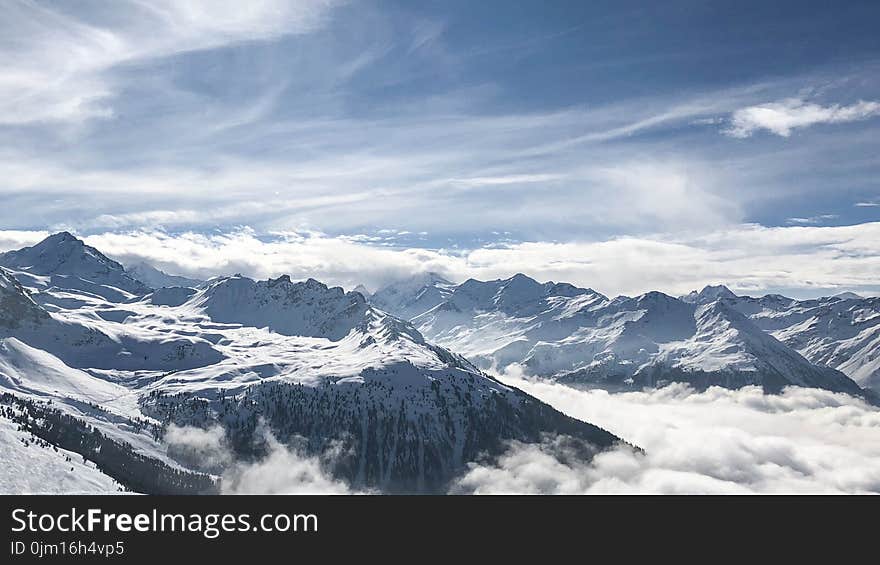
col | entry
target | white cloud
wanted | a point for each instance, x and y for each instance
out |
(285, 469)
(749, 258)
(335, 260)
(801, 260)
(812, 220)
(377, 174)
(203, 449)
(720, 441)
(14, 239)
(792, 113)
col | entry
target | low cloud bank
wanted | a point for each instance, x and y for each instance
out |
(714, 442)
(284, 470)
(803, 260)
(719, 441)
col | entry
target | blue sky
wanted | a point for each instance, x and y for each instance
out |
(620, 145)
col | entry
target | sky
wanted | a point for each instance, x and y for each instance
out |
(624, 146)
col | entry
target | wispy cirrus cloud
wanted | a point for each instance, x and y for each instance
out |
(287, 116)
(782, 117)
(59, 57)
(812, 220)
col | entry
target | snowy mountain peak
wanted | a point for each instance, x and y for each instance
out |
(432, 277)
(285, 279)
(522, 279)
(62, 237)
(508, 295)
(308, 308)
(839, 332)
(727, 335)
(576, 335)
(63, 256)
(412, 296)
(519, 289)
(655, 297)
(53, 251)
(710, 293)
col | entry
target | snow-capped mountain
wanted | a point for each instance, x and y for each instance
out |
(103, 374)
(97, 363)
(322, 364)
(34, 466)
(307, 308)
(728, 346)
(156, 278)
(841, 331)
(709, 294)
(579, 336)
(412, 296)
(89, 335)
(62, 261)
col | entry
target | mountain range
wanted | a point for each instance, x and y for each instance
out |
(95, 362)
(711, 337)
(391, 390)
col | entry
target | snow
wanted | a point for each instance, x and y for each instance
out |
(30, 468)
(558, 330)
(842, 332)
(27, 369)
(63, 261)
(410, 297)
(307, 308)
(708, 294)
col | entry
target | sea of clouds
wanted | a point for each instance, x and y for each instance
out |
(714, 442)
(717, 441)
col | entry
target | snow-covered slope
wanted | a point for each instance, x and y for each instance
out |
(325, 365)
(93, 333)
(730, 350)
(33, 466)
(579, 336)
(842, 332)
(307, 308)
(311, 361)
(156, 278)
